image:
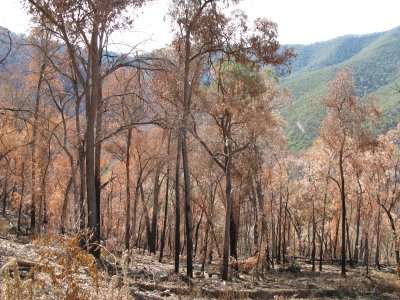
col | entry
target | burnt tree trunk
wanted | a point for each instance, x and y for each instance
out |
(92, 160)
(65, 206)
(81, 154)
(367, 253)
(323, 225)
(196, 235)
(164, 228)
(349, 244)
(285, 242)
(5, 193)
(343, 198)
(152, 241)
(177, 203)
(279, 234)
(234, 227)
(97, 163)
(313, 250)
(21, 199)
(34, 165)
(210, 208)
(185, 157)
(43, 186)
(336, 238)
(82, 188)
(228, 194)
(145, 214)
(378, 240)
(127, 189)
(264, 225)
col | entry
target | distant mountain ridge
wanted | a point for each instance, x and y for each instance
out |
(375, 60)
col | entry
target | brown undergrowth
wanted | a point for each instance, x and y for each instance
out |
(60, 269)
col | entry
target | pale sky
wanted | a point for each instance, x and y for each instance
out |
(299, 21)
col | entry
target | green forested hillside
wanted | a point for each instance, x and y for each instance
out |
(375, 61)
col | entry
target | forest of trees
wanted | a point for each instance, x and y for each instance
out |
(181, 151)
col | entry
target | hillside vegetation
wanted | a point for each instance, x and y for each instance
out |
(374, 60)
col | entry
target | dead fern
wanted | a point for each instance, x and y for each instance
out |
(63, 270)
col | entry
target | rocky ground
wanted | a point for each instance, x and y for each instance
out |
(54, 268)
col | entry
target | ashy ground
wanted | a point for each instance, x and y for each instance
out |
(55, 268)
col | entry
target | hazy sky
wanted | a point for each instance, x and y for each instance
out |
(299, 21)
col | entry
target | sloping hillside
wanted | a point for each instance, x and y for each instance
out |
(374, 59)
(56, 268)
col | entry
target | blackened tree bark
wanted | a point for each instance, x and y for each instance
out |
(234, 227)
(378, 239)
(35, 169)
(177, 203)
(145, 214)
(92, 167)
(21, 198)
(81, 151)
(185, 157)
(279, 233)
(65, 206)
(196, 235)
(313, 250)
(82, 186)
(209, 212)
(154, 219)
(164, 228)
(358, 221)
(286, 224)
(127, 188)
(343, 198)
(321, 251)
(264, 224)
(5, 188)
(349, 245)
(228, 194)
